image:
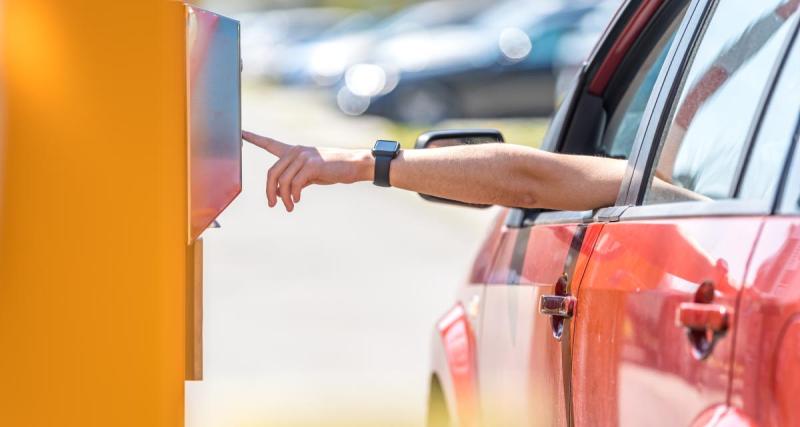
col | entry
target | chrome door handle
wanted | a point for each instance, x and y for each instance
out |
(698, 316)
(557, 305)
(705, 322)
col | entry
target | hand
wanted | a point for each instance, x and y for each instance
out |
(298, 167)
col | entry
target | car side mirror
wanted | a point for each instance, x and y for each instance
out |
(449, 138)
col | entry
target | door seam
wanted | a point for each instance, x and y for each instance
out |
(738, 302)
(567, 345)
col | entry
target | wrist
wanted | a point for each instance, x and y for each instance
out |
(364, 165)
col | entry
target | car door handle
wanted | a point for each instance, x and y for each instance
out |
(557, 305)
(702, 317)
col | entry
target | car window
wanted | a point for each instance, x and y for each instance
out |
(705, 137)
(768, 156)
(629, 111)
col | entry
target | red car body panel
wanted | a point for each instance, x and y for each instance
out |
(632, 364)
(520, 363)
(766, 367)
(458, 340)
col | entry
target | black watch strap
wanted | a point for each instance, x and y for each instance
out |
(382, 164)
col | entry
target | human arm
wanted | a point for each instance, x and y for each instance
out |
(499, 174)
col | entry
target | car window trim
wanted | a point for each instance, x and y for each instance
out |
(787, 201)
(694, 209)
(646, 144)
(762, 108)
(558, 217)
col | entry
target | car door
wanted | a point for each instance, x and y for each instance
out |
(653, 336)
(766, 381)
(525, 357)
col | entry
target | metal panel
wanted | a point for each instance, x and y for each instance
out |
(214, 115)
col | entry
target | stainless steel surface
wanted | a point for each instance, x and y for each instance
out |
(215, 147)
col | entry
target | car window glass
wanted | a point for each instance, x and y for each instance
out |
(628, 114)
(729, 70)
(768, 156)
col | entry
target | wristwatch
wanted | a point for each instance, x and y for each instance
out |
(384, 151)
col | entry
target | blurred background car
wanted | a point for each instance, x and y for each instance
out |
(503, 64)
(432, 60)
(324, 59)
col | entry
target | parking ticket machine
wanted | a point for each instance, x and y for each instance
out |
(120, 143)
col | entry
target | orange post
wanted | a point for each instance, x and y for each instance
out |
(93, 213)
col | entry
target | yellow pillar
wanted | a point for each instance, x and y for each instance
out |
(93, 254)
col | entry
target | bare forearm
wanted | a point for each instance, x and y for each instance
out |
(510, 175)
(486, 174)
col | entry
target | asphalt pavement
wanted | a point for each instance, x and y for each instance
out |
(324, 316)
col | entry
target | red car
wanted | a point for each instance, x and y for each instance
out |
(661, 310)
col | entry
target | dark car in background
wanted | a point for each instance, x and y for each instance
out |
(431, 60)
(505, 67)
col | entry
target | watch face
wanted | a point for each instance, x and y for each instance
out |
(388, 147)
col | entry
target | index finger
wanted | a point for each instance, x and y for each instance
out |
(277, 148)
